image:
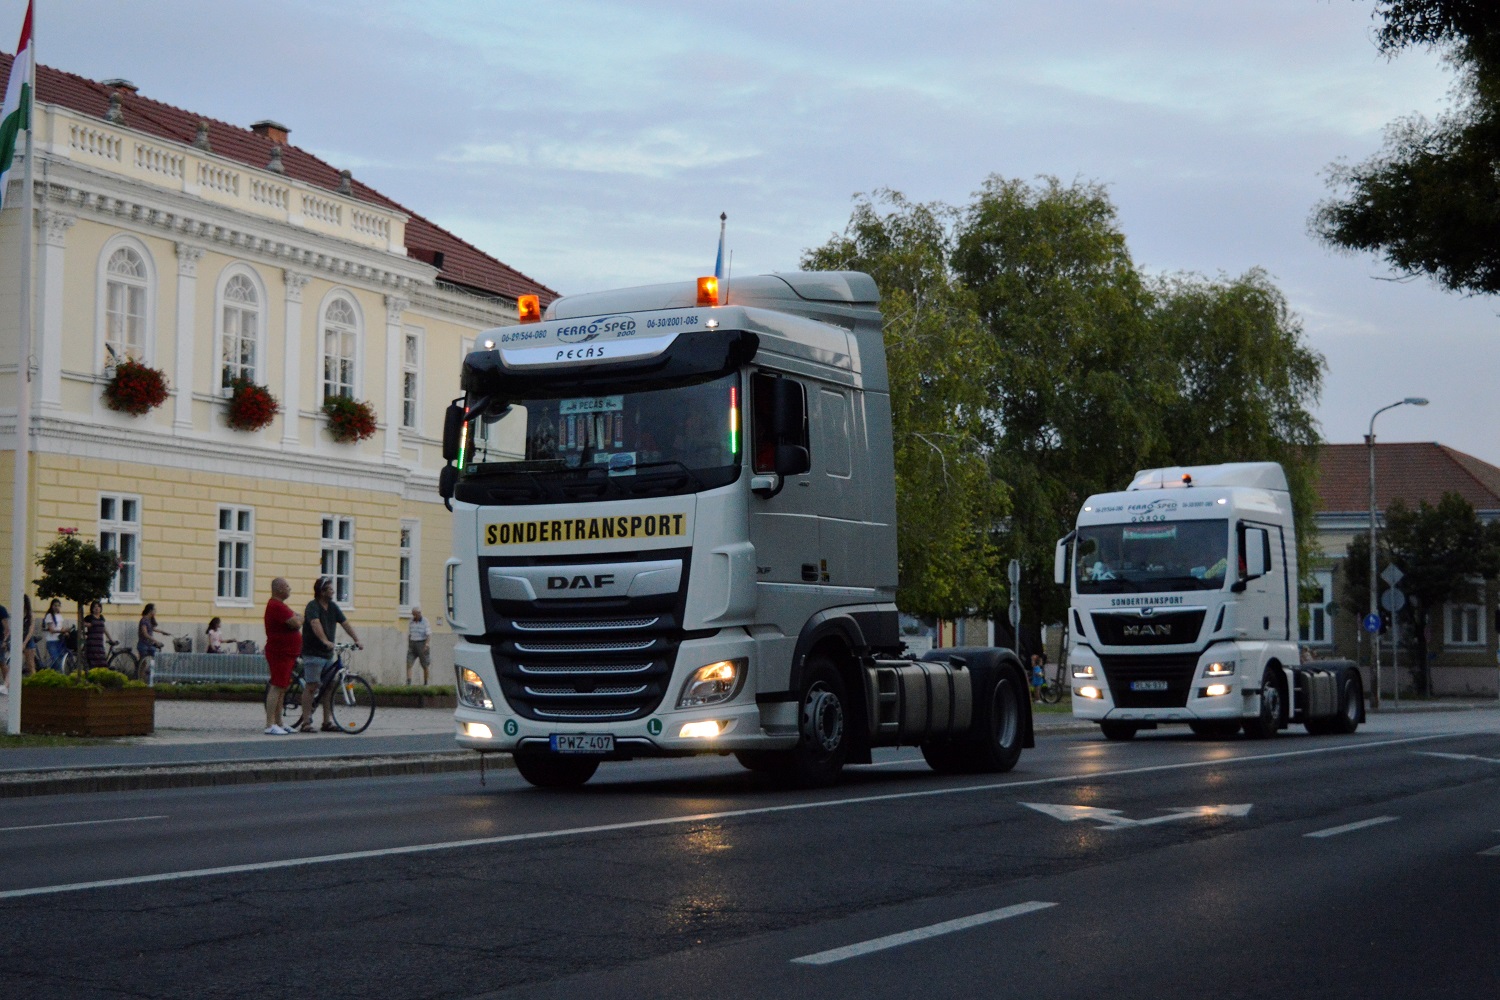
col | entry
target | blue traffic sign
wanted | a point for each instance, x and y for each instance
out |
(1371, 623)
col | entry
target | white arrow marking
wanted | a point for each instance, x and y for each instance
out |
(1115, 819)
(1458, 756)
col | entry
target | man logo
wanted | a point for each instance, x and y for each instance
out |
(1138, 631)
(580, 582)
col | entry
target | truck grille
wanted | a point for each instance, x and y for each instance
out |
(1176, 669)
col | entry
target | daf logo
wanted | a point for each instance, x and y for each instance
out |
(581, 582)
(1135, 631)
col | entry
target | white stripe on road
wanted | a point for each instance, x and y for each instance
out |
(81, 822)
(1351, 827)
(920, 934)
(1457, 756)
(1492, 851)
(513, 838)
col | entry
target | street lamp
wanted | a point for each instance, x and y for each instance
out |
(1374, 583)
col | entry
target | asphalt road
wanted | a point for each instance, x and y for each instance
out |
(1359, 867)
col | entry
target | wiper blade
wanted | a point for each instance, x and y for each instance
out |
(666, 463)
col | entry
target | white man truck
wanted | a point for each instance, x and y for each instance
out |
(674, 533)
(1184, 609)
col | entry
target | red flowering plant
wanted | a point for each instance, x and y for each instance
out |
(251, 406)
(135, 388)
(349, 419)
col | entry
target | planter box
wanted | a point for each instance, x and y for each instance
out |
(73, 712)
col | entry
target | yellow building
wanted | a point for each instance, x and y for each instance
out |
(212, 252)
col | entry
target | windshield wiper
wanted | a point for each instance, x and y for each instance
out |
(663, 465)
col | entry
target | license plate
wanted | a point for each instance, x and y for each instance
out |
(1148, 685)
(583, 743)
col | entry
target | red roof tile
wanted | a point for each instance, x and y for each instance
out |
(462, 263)
(1410, 472)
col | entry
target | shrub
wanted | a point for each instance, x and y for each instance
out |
(97, 679)
(349, 419)
(251, 406)
(135, 388)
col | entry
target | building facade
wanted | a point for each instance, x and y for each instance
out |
(214, 253)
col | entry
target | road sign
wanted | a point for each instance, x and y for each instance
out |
(1371, 623)
(1391, 575)
(1013, 571)
(1393, 600)
(1015, 615)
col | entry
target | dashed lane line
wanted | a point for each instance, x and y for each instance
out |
(1351, 827)
(514, 838)
(919, 934)
(80, 822)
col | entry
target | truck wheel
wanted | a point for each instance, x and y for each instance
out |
(994, 742)
(1351, 697)
(1272, 717)
(545, 770)
(823, 722)
(1215, 729)
(1119, 731)
(946, 757)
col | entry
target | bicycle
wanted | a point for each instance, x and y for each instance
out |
(1054, 688)
(130, 663)
(351, 699)
(64, 664)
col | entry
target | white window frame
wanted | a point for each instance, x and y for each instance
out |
(350, 338)
(1456, 616)
(409, 566)
(145, 283)
(411, 379)
(222, 305)
(113, 529)
(239, 538)
(1317, 615)
(333, 542)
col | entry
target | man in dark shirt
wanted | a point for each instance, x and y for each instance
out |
(320, 622)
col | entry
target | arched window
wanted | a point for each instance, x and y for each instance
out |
(125, 280)
(340, 341)
(239, 329)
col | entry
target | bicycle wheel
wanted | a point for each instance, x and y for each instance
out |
(69, 663)
(1052, 692)
(353, 703)
(125, 662)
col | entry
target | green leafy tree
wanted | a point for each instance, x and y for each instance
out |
(76, 570)
(947, 501)
(1429, 201)
(1440, 550)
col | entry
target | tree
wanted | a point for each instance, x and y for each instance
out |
(1429, 201)
(76, 570)
(1439, 550)
(947, 501)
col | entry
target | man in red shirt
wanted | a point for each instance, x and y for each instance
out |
(283, 645)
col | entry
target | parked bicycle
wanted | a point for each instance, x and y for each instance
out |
(131, 664)
(1054, 687)
(350, 697)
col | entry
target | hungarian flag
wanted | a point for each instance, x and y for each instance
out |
(15, 114)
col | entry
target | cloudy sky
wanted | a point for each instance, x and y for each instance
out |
(592, 144)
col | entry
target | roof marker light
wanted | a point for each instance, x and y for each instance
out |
(708, 291)
(529, 309)
(489, 345)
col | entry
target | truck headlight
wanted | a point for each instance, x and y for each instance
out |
(1222, 668)
(471, 691)
(714, 683)
(1083, 670)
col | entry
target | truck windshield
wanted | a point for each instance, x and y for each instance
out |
(644, 442)
(1159, 556)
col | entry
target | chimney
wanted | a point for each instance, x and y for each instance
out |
(118, 84)
(267, 129)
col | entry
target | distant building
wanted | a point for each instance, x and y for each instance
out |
(214, 252)
(1463, 636)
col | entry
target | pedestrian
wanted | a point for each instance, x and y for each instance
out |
(418, 644)
(1038, 675)
(214, 634)
(52, 633)
(283, 643)
(28, 638)
(320, 622)
(95, 636)
(145, 633)
(5, 651)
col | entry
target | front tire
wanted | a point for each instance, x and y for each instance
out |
(125, 662)
(823, 720)
(1118, 732)
(352, 703)
(1273, 708)
(545, 770)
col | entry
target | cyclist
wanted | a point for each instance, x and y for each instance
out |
(320, 622)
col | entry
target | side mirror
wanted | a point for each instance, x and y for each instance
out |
(1256, 544)
(1060, 560)
(447, 483)
(788, 408)
(792, 460)
(453, 426)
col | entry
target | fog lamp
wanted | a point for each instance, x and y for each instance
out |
(700, 730)
(1089, 692)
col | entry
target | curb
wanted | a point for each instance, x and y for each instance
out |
(68, 782)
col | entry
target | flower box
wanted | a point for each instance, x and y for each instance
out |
(349, 420)
(85, 712)
(135, 388)
(251, 406)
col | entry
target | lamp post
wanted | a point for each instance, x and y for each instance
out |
(1374, 581)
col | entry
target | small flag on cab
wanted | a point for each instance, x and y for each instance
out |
(719, 261)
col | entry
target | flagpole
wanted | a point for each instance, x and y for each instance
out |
(21, 496)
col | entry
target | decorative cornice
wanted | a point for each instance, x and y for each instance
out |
(188, 257)
(395, 305)
(295, 282)
(55, 226)
(469, 307)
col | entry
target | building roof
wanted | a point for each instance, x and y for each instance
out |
(460, 263)
(1409, 472)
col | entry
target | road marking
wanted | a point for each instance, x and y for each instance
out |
(1457, 756)
(1492, 851)
(514, 838)
(1351, 827)
(81, 822)
(920, 934)
(1115, 819)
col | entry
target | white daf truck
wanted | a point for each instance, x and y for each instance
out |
(1184, 609)
(675, 533)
